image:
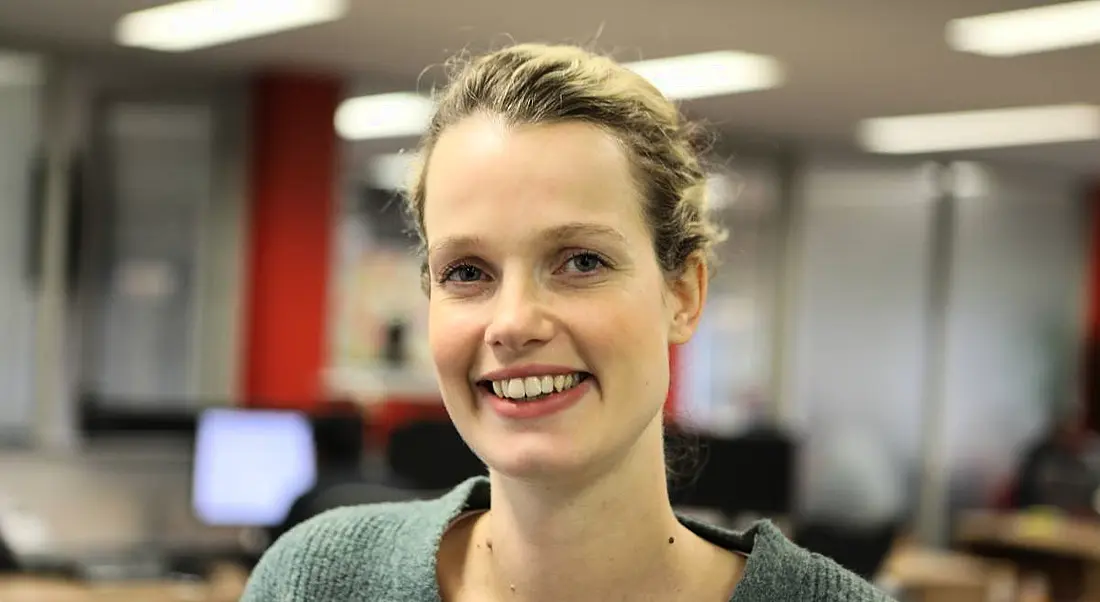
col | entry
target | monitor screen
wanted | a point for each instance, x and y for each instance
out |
(250, 466)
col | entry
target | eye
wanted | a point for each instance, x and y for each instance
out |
(462, 273)
(584, 262)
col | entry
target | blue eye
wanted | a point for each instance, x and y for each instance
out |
(462, 273)
(585, 262)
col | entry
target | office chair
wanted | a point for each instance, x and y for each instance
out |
(752, 473)
(339, 495)
(8, 562)
(861, 550)
(431, 455)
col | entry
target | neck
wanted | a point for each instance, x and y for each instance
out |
(596, 539)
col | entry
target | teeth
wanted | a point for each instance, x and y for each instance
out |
(515, 389)
(534, 386)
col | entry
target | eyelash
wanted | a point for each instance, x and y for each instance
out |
(604, 263)
(450, 270)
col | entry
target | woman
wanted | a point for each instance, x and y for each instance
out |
(561, 208)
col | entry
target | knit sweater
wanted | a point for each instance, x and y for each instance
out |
(387, 552)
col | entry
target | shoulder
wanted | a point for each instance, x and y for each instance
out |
(778, 570)
(342, 548)
(351, 551)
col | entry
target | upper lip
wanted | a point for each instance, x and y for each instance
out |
(527, 370)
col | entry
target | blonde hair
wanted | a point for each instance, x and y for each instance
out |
(532, 84)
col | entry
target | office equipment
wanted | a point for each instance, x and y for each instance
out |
(250, 466)
(431, 455)
(8, 561)
(752, 473)
(342, 480)
(339, 438)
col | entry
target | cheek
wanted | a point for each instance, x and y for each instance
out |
(635, 329)
(453, 340)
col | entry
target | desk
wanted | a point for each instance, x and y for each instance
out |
(936, 575)
(225, 585)
(1065, 549)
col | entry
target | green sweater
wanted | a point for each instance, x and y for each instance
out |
(387, 552)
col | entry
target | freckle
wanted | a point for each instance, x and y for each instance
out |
(671, 540)
(489, 544)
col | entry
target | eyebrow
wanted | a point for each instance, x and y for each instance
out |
(562, 233)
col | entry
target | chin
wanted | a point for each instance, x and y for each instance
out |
(535, 456)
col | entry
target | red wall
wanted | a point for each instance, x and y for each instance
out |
(290, 232)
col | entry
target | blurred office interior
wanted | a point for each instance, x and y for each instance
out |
(209, 302)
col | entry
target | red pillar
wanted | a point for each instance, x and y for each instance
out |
(291, 226)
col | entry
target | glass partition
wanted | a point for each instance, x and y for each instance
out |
(21, 83)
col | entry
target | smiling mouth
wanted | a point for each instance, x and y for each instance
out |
(533, 388)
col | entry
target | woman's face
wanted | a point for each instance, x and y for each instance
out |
(549, 317)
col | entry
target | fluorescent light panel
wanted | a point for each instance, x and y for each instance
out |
(1028, 31)
(195, 24)
(980, 129)
(710, 74)
(383, 116)
(680, 78)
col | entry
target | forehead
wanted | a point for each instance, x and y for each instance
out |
(485, 174)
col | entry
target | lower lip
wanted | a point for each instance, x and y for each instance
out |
(551, 404)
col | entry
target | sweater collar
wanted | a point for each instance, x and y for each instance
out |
(770, 553)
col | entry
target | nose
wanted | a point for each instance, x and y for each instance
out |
(520, 320)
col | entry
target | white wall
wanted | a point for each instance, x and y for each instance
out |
(1014, 321)
(106, 496)
(860, 324)
(159, 178)
(174, 195)
(222, 253)
(19, 141)
(727, 382)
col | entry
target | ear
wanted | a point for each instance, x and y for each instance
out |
(688, 295)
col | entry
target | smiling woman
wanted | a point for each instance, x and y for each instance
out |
(561, 210)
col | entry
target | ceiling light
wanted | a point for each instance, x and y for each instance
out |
(980, 129)
(383, 116)
(1027, 31)
(710, 74)
(682, 77)
(193, 24)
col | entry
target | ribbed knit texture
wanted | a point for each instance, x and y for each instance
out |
(387, 552)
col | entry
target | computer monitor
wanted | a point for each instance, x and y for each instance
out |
(250, 466)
